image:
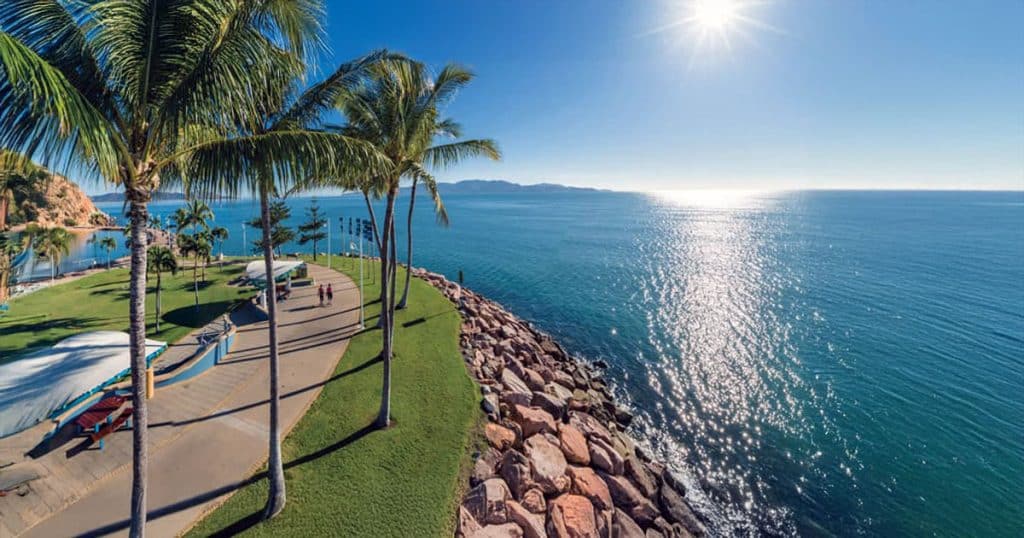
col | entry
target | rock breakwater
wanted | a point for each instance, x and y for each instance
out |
(558, 461)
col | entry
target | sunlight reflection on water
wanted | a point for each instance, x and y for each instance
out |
(725, 370)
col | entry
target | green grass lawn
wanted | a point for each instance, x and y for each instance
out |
(100, 302)
(346, 479)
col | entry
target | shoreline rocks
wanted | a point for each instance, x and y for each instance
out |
(559, 462)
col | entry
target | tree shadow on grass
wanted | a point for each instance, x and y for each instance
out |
(195, 317)
(247, 521)
(253, 519)
(29, 325)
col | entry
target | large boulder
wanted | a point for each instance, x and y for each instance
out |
(558, 390)
(676, 509)
(533, 500)
(549, 403)
(508, 530)
(574, 445)
(515, 469)
(516, 391)
(623, 526)
(485, 466)
(641, 477)
(572, 516)
(590, 426)
(534, 420)
(547, 464)
(586, 482)
(487, 501)
(604, 457)
(627, 497)
(532, 524)
(467, 525)
(499, 437)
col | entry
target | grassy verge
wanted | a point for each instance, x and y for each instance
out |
(346, 479)
(100, 302)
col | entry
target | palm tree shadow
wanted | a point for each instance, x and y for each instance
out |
(251, 520)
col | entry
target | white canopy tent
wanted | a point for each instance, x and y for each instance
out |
(256, 271)
(33, 387)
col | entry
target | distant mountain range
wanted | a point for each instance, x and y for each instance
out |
(497, 186)
(467, 186)
(119, 197)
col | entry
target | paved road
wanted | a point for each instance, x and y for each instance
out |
(213, 430)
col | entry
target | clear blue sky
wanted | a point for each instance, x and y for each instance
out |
(821, 94)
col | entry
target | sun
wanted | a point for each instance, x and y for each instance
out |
(709, 28)
(716, 15)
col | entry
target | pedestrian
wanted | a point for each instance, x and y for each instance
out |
(321, 292)
(330, 294)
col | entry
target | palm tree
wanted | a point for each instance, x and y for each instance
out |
(108, 244)
(198, 215)
(305, 155)
(10, 247)
(131, 91)
(440, 155)
(219, 234)
(398, 111)
(160, 260)
(53, 244)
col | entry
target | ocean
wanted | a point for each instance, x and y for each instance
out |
(813, 363)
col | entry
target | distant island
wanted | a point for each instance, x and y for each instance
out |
(498, 186)
(119, 197)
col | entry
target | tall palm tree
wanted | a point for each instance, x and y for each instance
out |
(295, 117)
(219, 234)
(53, 244)
(398, 112)
(161, 260)
(131, 90)
(10, 246)
(198, 215)
(442, 155)
(108, 244)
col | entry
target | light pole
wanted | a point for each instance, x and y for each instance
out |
(243, 240)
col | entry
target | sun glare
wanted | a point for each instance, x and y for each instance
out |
(714, 14)
(710, 27)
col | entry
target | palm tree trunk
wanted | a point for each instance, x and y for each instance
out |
(373, 221)
(4, 204)
(275, 467)
(137, 339)
(195, 282)
(386, 310)
(408, 257)
(158, 300)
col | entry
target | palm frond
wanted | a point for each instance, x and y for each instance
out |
(42, 113)
(445, 155)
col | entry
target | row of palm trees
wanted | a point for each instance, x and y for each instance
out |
(52, 244)
(216, 96)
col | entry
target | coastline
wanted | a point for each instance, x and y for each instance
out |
(558, 460)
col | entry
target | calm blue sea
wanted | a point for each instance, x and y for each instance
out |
(816, 363)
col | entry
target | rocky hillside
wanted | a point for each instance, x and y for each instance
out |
(58, 202)
(559, 462)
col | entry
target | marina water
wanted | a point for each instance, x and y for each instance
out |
(813, 363)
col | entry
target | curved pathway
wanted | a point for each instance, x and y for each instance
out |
(209, 435)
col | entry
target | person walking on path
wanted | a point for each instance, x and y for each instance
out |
(321, 293)
(330, 294)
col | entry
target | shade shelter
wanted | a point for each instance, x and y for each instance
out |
(50, 380)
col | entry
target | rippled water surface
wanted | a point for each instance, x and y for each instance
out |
(813, 362)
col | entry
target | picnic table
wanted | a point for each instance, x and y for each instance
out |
(101, 420)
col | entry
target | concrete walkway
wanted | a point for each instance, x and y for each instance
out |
(207, 435)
